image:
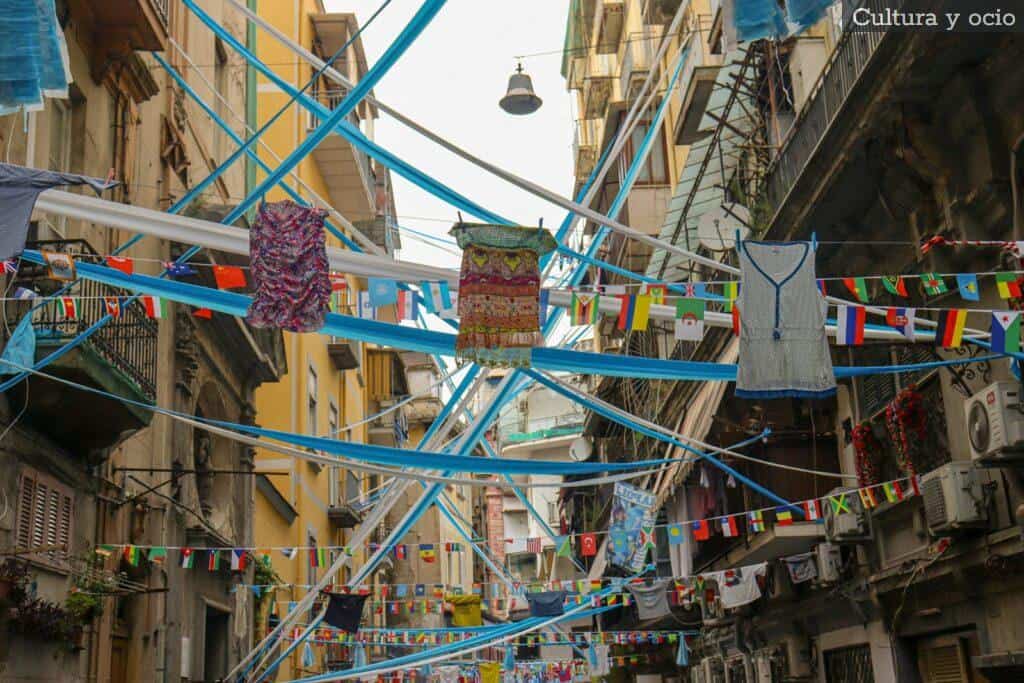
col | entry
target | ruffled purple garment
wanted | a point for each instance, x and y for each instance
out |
(289, 267)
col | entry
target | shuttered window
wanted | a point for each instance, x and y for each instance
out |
(944, 663)
(45, 516)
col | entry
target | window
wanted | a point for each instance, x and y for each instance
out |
(60, 153)
(553, 516)
(311, 402)
(351, 487)
(655, 168)
(45, 517)
(311, 576)
(220, 83)
(334, 472)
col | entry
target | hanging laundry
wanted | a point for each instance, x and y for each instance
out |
(465, 610)
(801, 568)
(34, 56)
(490, 672)
(19, 188)
(683, 653)
(738, 587)
(783, 347)
(345, 611)
(652, 600)
(546, 604)
(288, 257)
(499, 292)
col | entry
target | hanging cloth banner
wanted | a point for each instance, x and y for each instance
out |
(499, 293)
(631, 512)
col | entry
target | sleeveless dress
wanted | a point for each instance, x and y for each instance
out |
(783, 347)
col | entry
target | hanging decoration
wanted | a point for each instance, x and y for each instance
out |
(907, 422)
(867, 450)
(631, 511)
(499, 293)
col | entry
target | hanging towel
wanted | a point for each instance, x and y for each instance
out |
(358, 656)
(465, 610)
(652, 600)
(783, 347)
(20, 349)
(20, 186)
(345, 611)
(801, 567)
(738, 587)
(308, 658)
(683, 653)
(288, 261)
(499, 292)
(546, 604)
(490, 672)
(33, 55)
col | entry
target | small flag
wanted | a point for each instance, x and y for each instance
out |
(437, 298)
(383, 292)
(933, 284)
(895, 285)
(729, 527)
(239, 558)
(213, 560)
(533, 545)
(867, 497)
(850, 325)
(634, 312)
(542, 306)
(893, 491)
(112, 305)
(1008, 285)
(121, 263)
(950, 330)
(656, 292)
(858, 286)
(822, 287)
(105, 550)
(157, 554)
(701, 532)
(675, 534)
(401, 551)
(11, 266)
(967, 284)
(731, 291)
(204, 313)
(289, 553)
(583, 308)
(915, 484)
(756, 519)
(427, 552)
(188, 558)
(229, 277)
(839, 504)
(646, 538)
(690, 319)
(68, 309)
(24, 294)
(155, 307)
(588, 544)
(60, 266)
(695, 290)
(812, 510)
(902, 320)
(1005, 331)
(408, 305)
(735, 320)
(562, 546)
(175, 269)
(317, 557)
(132, 555)
(783, 517)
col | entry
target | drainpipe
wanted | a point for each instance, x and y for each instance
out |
(1015, 172)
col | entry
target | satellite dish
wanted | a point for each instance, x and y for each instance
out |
(580, 449)
(717, 227)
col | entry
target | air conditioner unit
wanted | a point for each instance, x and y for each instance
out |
(796, 653)
(713, 670)
(953, 499)
(830, 562)
(852, 525)
(739, 668)
(763, 667)
(995, 424)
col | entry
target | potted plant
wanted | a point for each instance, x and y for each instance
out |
(83, 607)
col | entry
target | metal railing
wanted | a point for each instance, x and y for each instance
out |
(827, 98)
(161, 7)
(516, 427)
(128, 342)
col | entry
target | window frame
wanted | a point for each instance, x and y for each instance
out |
(646, 177)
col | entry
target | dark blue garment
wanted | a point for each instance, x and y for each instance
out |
(546, 604)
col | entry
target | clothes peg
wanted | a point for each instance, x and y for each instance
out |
(814, 241)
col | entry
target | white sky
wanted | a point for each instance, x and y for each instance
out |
(450, 81)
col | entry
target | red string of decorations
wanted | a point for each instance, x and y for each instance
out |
(867, 448)
(907, 422)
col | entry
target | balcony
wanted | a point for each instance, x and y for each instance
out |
(600, 85)
(542, 428)
(637, 53)
(383, 430)
(695, 85)
(610, 18)
(113, 30)
(120, 358)
(422, 375)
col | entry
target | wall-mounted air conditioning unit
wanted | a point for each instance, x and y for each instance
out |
(713, 670)
(739, 668)
(995, 424)
(846, 521)
(830, 562)
(953, 499)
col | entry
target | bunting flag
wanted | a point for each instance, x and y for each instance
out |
(858, 286)
(933, 284)
(408, 305)
(60, 266)
(895, 285)
(822, 287)
(289, 553)
(338, 281)
(729, 527)
(364, 306)
(132, 555)
(121, 263)
(204, 313)
(155, 307)
(157, 554)
(701, 532)
(783, 516)
(967, 284)
(839, 504)
(533, 545)
(542, 306)
(23, 294)
(175, 269)
(229, 277)
(690, 319)
(867, 497)
(731, 291)
(383, 291)
(562, 546)
(695, 290)
(646, 538)
(239, 558)
(67, 307)
(583, 308)
(188, 558)
(812, 510)
(1008, 285)
(318, 557)
(427, 553)
(112, 305)
(735, 310)
(950, 330)
(437, 298)
(588, 544)
(634, 312)
(1005, 331)
(105, 550)
(675, 534)
(656, 292)
(756, 519)
(902, 320)
(213, 560)
(11, 267)
(915, 484)
(893, 491)
(401, 551)
(850, 322)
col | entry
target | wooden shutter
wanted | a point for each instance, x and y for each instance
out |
(943, 662)
(45, 516)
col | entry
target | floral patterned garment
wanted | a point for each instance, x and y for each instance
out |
(288, 255)
(499, 293)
